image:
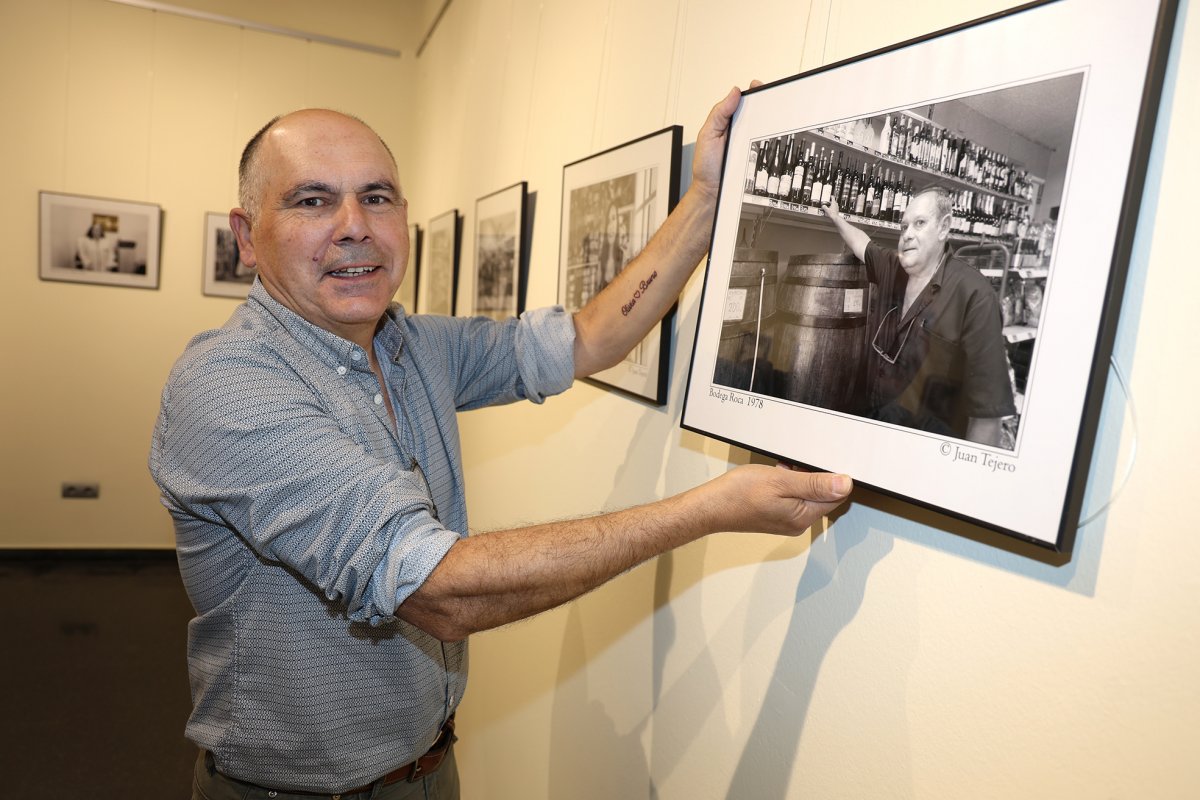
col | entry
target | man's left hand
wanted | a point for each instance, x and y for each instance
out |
(710, 143)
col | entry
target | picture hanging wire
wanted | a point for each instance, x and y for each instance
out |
(1132, 446)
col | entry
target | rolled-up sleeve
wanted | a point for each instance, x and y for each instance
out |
(241, 448)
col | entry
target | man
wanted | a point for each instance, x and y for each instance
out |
(309, 456)
(937, 359)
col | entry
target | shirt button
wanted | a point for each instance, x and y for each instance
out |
(378, 399)
(341, 370)
(357, 356)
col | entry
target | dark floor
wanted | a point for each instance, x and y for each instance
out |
(93, 676)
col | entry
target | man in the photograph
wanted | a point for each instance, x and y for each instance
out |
(309, 454)
(937, 359)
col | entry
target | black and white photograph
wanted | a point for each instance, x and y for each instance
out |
(499, 223)
(961, 195)
(613, 202)
(98, 240)
(906, 280)
(225, 275)
(439, 267)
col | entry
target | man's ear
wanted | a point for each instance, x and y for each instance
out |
(944, 228)
(239, 220)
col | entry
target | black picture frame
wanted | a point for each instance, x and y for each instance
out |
(437, 289)
(754, 383)
(612, 203)
(497, 290)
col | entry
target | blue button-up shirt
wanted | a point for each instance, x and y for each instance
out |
(303, 518)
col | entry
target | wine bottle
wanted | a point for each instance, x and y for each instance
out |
(818, 185)
(833, 187)
(760, 171)
(889, 197)
(847, 185)
(786, 168)
(798, 173)
(776, 168)
(810, 174)
(868, 194)
(751, 167)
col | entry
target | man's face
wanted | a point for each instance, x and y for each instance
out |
(922, 234)
(330, 237)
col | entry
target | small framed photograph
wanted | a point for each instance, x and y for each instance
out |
(437, 290)
(612, 203)
(499, 252)
(97, 240)
(224, 273)
(406, 295)
(918, 257)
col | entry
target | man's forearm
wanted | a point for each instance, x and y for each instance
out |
(615, 320)
(489, 580)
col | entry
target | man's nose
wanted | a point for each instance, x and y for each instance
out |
(350, 221)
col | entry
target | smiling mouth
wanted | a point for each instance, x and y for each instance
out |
(352, 272)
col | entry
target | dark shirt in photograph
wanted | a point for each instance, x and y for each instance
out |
(948, 350)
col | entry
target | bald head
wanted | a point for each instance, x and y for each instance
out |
(251, 177)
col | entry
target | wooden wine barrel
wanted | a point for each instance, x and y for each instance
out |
(744, 320)
(821, 337)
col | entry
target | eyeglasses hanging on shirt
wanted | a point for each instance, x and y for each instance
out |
(906, 329)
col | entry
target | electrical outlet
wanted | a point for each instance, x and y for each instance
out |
(81, 491)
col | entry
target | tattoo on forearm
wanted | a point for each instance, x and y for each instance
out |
(637, 294)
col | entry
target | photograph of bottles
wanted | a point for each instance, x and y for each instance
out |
(873, 165)
(1001, 155)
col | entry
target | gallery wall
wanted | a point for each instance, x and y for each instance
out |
(118, 102)
(898, 653)
(892, 652)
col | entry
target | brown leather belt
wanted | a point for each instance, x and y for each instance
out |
(418, 769)
(411, 772)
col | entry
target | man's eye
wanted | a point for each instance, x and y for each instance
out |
(376, 200)
(312, 202)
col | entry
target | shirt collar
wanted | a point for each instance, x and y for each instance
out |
(327, 346)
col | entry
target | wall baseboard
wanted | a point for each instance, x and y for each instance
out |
(86, 554)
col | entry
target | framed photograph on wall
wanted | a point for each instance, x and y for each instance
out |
(439, 269)
(499, 248)
(406, 295)
(97, 240)
(612, 203)
(224, 273)
(919, 255)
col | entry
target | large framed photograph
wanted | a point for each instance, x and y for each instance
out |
(224, 273)
(97, 240)
(439, 268)
(612, 203)
(499, 249)
(918, 258)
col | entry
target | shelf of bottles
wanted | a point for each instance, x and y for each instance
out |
(872, 166)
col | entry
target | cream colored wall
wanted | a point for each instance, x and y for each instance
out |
(892, 656)
(896, 655)
(111, 101)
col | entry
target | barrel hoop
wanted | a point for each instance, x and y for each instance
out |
(823, 283)
(732, 330)
(811, 321)
(743, 280)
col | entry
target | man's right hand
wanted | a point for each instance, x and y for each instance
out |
(779, 500)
